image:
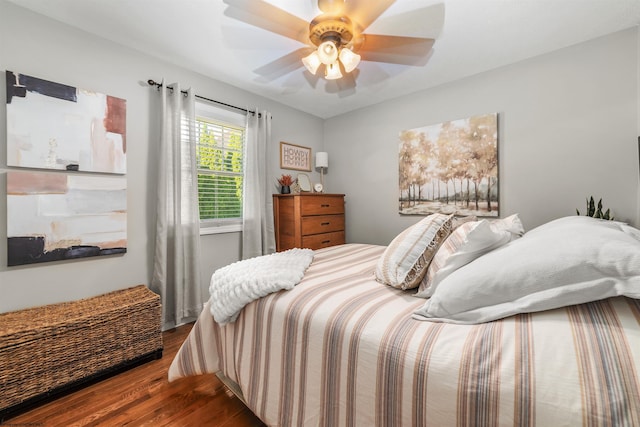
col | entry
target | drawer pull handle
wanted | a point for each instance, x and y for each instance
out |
(326, 241)
(324, 206)
(325, 223)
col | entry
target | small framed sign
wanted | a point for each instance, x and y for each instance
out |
(295, 157)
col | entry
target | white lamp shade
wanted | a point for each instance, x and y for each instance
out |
(327, 52)
(333, 71)
(322, 159)
(349, 59)
(312, 62)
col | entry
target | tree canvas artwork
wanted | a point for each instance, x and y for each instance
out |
(450, 168)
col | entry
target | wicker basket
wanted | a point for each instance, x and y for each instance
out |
(47, 349)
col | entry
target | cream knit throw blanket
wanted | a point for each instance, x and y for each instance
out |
(236, 285)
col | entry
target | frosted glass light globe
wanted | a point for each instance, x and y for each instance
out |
(328, 52)
(332, 71)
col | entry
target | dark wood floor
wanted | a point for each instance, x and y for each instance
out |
(142, 396)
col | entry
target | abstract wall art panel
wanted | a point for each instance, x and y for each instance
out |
(450, 168)
(59, 216)
(55, 126)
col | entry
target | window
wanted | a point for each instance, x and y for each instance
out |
(219, 153)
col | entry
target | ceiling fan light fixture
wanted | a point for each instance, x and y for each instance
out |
(312, 62)
(349, 59)
(332, 71)
(327, 52)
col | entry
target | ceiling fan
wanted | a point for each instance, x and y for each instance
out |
(335, 40)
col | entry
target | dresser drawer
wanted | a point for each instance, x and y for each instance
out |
(322, 205)
(324, 240)
(308, 220)
(322, 224)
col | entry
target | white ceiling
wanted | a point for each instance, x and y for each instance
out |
(471, 36)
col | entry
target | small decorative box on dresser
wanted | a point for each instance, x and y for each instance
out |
(308, 220)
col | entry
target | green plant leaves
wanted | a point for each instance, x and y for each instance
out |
(595, 211)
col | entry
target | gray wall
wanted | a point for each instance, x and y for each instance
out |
(37, 46)
(568, 127)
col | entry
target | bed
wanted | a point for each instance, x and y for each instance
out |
(342, 348)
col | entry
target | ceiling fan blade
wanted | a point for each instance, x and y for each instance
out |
(283, 65)
(393, 49)
(424, 22)
(331, 6)
(364, 12)
(268, 17)
(374, 76)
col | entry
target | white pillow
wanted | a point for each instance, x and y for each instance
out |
(404, 263)
(568, 261)
(466, 243)
(512, 224)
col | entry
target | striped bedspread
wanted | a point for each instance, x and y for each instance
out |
(342, 349)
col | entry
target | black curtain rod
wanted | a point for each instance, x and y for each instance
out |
(159, 85)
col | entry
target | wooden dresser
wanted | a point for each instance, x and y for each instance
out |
(308, 220)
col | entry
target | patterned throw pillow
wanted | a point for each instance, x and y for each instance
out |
(404, 263)
(458, 221)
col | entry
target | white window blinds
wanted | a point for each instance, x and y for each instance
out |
(220, 171)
